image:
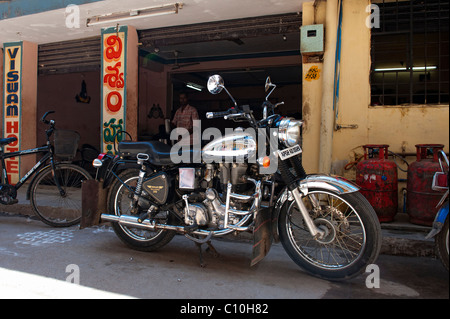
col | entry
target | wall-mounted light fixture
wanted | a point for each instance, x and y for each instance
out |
(195, 86)
(135, 14)
(415, 68)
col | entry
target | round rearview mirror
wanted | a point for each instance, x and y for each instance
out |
(215, 84)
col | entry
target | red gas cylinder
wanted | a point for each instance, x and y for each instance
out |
(421, 199)
(377, 177)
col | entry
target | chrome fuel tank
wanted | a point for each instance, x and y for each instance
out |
(236, 147)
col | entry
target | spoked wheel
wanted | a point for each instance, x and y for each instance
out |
(351, 240)
(442, 244)
(120, 203)
(58, 207)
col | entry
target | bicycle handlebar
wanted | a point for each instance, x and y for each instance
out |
(47, 121)
(231, 113)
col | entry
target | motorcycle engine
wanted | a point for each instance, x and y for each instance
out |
(196, 215)
(210, 211)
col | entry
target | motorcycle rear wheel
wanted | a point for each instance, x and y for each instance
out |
(119, 199)
(352, 237)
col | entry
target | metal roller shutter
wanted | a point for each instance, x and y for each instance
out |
(69, 56)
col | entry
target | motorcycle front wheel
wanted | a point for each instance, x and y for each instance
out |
(119, 203)
(442, 244)
(351, 240)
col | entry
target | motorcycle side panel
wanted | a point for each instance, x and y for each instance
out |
(157, 186)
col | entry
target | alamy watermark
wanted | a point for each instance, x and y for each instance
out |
(236, 146)
(74, 274)
(72, 15)
(373, 279)
(373, 20)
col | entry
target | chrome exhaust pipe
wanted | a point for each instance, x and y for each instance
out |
(132, 221)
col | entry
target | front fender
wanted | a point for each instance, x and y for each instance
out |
(334, 184)
(330, 183)
(439, 221)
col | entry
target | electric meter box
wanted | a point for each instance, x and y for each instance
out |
(311, 39)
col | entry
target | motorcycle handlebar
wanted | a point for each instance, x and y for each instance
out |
(213, 115)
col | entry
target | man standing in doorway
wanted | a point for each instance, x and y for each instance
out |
(185, 115)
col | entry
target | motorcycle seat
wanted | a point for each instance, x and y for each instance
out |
(159, 153)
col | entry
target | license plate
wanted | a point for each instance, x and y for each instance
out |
(289, 152)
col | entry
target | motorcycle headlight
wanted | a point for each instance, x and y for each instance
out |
(289, 132)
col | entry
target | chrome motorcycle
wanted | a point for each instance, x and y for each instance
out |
(325, 225)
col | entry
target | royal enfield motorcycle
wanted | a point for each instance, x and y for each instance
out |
(440, 224)
(250, 180)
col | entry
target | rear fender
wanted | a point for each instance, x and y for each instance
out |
(333, 184)
(117, 168)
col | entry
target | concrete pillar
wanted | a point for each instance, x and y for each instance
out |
(119, 85)
(19, 104)
(313, 13)
(327, 117)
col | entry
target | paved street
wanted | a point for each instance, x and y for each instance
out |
(36, 261)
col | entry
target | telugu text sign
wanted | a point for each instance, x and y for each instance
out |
(114, 47)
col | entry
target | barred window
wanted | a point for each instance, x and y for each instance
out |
(409, 52)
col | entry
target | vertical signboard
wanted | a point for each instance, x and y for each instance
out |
(12, 105)
(113, 91)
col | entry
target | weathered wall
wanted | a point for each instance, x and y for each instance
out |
(402, 127)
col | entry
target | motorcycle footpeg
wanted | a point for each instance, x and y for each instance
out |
(150, 213)
(143, 217)
(191, 228)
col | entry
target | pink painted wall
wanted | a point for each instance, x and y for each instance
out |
(57, 93)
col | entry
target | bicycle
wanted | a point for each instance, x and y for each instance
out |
(55, 190)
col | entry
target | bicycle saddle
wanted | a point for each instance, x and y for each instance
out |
(6, 141)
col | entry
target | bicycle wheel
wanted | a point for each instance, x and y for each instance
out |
(52, 207)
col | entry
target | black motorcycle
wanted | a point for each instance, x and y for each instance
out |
(250, 180)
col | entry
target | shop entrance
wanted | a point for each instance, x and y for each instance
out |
(244, 52)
